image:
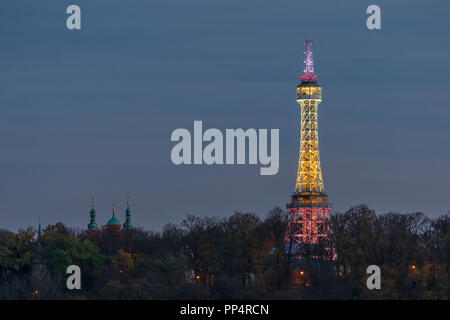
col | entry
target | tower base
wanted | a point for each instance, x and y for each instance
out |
(308, 225)
(309, 222)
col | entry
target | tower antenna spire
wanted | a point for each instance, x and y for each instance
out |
(308, 72)
(309, 58)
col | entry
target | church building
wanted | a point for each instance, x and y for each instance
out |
(113, 223)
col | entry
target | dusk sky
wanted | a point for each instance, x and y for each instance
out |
(90, 112)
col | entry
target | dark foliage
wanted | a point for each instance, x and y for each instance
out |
(243, 256)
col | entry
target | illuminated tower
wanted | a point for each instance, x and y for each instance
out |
(309, 210)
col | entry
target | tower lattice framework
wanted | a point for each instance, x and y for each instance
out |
(309, 209)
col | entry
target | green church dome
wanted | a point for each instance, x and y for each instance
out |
(113, 221)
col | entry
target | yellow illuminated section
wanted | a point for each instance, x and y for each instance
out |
(309, 174)
(310, 90)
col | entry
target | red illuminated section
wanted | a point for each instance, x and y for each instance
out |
(309, 225)
(309, 79)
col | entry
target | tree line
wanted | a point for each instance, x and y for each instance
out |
(243, 256)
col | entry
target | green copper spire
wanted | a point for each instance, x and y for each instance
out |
(39, 228)
(92, 226)
(128, 225)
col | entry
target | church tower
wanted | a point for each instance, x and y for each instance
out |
(92, 226)
(128, 225)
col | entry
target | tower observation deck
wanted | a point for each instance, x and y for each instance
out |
(309, 209)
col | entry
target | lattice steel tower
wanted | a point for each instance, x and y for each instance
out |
(309, 209)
